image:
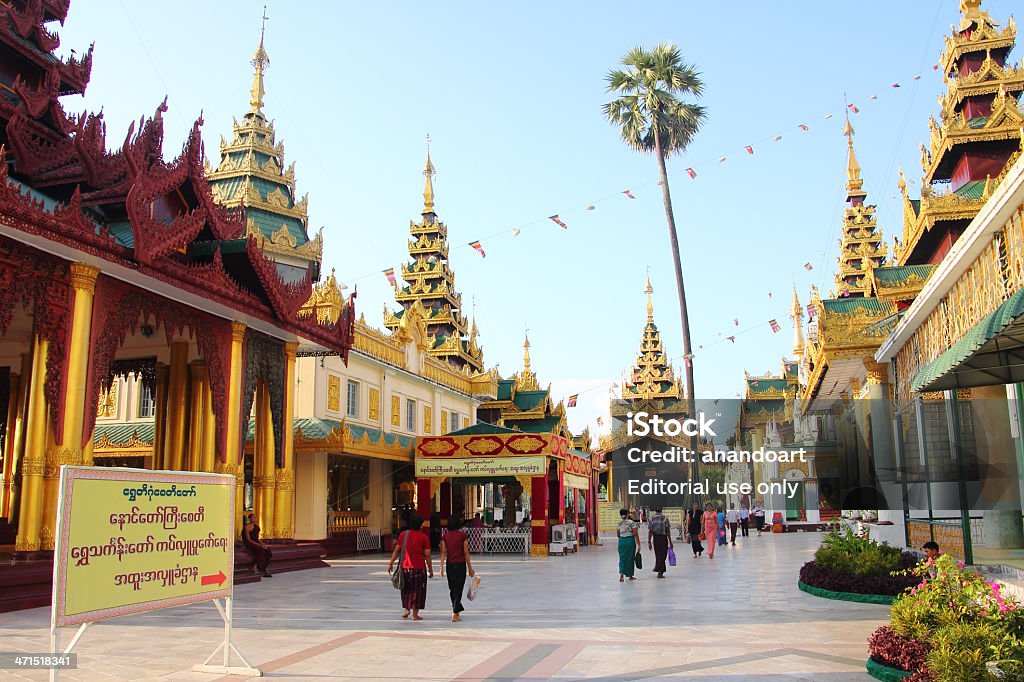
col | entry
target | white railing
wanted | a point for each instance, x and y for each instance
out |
(367, 539)
(499, 540)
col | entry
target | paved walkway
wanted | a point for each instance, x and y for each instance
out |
(739, 617)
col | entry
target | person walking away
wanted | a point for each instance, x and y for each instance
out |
(744, 520)
(721, 526)
(759, 516)
(455, 562)
(732, 517)
(629, 545)
(710, 520)
(261, 554)
(659, 539)
(416, 565)
(693, 528)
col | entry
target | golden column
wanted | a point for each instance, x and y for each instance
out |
(208, 453)
(37, 425)
(18, 439)
(10, 442)
(83, 280)
(233, 450)
(263, 462)
(284, 495)
(160, 419)
(177, 407)
(197, 415)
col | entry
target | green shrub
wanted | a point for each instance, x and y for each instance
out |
(960, 651)
(844, 550)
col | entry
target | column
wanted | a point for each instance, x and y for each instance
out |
(36, 427)
(177, 405)
(233, 449)
(160, 415)
(208, 450)
(424, 499)
(311, 506)
(263, 461)
(69, 450)
(539, 516)
(446, 502)
(196, 436)
(18, 441)
(284, 483)
(10, 442)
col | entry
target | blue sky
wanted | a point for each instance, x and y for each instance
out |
(511, 97)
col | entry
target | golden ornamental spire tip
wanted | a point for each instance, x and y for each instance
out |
(260, 62)
(649, 290)
(428, 187)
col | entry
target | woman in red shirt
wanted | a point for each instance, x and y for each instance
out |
(455, 559)
(416, 565)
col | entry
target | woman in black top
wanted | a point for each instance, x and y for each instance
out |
(693, 518)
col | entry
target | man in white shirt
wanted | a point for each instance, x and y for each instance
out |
(759, 516)
(744, 520)
(732, 517)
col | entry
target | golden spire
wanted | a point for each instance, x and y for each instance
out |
(260, 62)
(527, 379)
(796, 313)
(526, 352)
(428, 187)
(649, 290)
(854, 183)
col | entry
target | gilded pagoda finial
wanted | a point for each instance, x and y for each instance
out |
(854, 183)
(650, 304)
(796, 313)
(526, 351)
(428, 187)
(260, 62)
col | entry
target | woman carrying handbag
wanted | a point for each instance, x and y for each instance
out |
(629, 546)
(414, 568)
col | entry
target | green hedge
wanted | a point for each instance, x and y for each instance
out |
(846, 596)
(885, 673)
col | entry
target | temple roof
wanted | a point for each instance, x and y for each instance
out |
(861, 245)
(251, 174)
(430, 282)
(652, 376)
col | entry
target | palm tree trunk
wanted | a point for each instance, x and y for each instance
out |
(691, 404)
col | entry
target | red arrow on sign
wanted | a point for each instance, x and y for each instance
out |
(217, 579)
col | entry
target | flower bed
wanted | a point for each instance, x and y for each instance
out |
(952, 626)
(852, 564)
(846, 596)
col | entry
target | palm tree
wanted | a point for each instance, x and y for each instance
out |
(652, 118)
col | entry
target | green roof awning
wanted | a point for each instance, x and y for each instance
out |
(989, 354)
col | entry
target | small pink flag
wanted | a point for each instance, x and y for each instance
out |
(731, 338)
(812, 312)
(629, 194)
(479, 248)
(808, 266)
(853, 108)
(558, 221)
(896, 85)
(692, 173)
(803, 127)
(390, 274)
(774, 325)
(735, 321)
(750, 149)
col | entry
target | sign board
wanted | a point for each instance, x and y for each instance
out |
(132, 540)
(482, 466)
(576, 481)
(608, 516)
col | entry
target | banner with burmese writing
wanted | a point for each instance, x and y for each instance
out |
(492, 445)
(133, 540)
(482, 466)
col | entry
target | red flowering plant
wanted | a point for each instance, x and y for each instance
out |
(965, 626)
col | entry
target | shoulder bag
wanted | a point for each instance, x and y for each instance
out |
(398, 577)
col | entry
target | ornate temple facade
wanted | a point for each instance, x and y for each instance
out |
(872, 357)
(951, 357)
(355, 419)
(121, 264)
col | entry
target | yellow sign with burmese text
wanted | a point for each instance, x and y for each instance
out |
(482, 466)
(132, 540)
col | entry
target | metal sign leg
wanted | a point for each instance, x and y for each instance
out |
(227, 646)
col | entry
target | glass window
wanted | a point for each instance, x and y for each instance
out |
(410, 415)
(147, 406)
(352, 405)
(455, 422)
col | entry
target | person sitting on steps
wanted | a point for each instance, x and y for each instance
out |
(260, 552)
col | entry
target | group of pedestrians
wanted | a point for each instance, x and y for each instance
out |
(417, 565)
(711, 526)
